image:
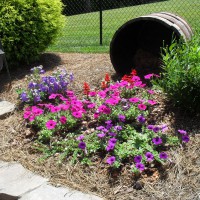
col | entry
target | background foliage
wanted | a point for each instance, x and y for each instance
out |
(28, 27)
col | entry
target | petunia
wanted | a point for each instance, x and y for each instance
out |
(163, 155)
(142, 106)
(140, 166)
(63, 119)
(148, 76)
(82, 145)
(110, 160)
(121, 118)
(183, 132)
(80, 137)
(149, 156)
(156, 129)
(137, 159)
(152, 102)
(157, 140)
(51, 124)
(101, 135)
(185, 138)
(141, 119)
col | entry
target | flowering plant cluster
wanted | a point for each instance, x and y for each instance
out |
(119, 133)
(39, 87)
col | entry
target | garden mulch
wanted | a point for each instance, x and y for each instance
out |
(179, 178)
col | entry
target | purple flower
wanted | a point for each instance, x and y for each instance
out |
(100, 128)
(140, 166)
(112, 140)
(141, 119)
(157, 140)
(150, 127)
(24, 97)
(108, 122)
(121, 118)
(164, 127)
(82, 145)
(185, 138)
(183, 132)
(163, 155)
(149, 156)
(110, 160)
(137, 159)
(71, 76)
(156, 129)
(80, 137)
(110, 146)
(118, 128)
(112, 134)
(101, 135)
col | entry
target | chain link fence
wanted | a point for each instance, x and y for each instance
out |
(93, 22)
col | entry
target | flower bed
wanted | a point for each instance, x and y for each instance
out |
(109, 125)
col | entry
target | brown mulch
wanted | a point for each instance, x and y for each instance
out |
(178, 179)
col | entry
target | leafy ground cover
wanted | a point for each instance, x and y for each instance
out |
(81, 33)
(177, 178)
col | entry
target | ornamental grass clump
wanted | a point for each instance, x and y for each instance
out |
(109, 125)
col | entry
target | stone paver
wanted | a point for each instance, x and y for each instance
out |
(6, 108)
(16, 181)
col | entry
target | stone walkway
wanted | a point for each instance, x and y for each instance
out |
(16, 182)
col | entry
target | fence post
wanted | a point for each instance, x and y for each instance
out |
(100, 23)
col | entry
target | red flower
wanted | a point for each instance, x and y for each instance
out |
(86, 88)
(107, 78)
(103, 85)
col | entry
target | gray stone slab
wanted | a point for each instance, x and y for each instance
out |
(6, 108)
(48, 192)
(15, 180)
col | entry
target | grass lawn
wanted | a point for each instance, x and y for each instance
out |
(81, 33)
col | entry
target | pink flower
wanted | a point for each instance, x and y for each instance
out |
(63, 119)
(92, 105)
(77, 114)
(112, 101)
(53, 96)
(152, 102)
(70, 93)
(31, 118)
(135, 78)
(142, 106)
(102, 94)
(37, 111)
(92, 94)
(64, 106)
(51, 124)
(134, 100)
(148, 76)
(54, 109)
(150, 91)
(27, 114)
(96, 115)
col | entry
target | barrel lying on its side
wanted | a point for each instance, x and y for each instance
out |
(137, 43)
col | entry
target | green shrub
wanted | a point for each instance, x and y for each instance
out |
(27, 27)
(181, 74)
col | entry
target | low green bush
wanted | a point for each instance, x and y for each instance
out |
(180, 78)
(28, 27)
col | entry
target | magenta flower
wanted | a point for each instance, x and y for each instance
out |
(112, 134)
(82, 145)
(183, 132)
(157, 140)
(77, 114)
(140, 166)
(27, 114)
(137, 159)
(102, 94)
(149, 156)
(92, 94)
(51, 124)
(63, 119)
(148, 76)
(37, 111)
(52, 96)
(54, 109)
(110, 146)
(110, 160)
(152, 102)
(92, 105)
(163, 155)
(96, 115)
(185, 138)
(64, 107)
(150, 91)
(134, 100)
(142, 106)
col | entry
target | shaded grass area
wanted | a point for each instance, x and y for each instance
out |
(81, 32)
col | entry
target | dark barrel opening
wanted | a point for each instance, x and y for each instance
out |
(137, 44)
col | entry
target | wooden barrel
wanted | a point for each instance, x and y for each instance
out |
(137, 44)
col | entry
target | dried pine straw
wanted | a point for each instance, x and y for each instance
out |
(178, 179)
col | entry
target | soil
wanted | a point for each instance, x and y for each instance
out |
(177, 179)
